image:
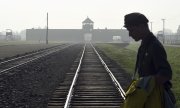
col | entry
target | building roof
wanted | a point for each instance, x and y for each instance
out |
(87, 20)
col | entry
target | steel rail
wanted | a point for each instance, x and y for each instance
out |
(8, 69)
(70, 93)
(117, 84)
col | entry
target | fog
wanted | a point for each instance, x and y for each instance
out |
(19, 15)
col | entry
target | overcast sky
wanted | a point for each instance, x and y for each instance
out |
(69, 14)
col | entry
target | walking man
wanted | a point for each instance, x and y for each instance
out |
(151, 60)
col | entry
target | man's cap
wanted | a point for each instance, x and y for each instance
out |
(134, 19)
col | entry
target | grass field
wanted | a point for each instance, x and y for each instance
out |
(13, 48)
(3, 42)
(126, 57)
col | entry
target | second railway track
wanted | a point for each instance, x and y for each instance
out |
(8, 65)
(92, 86)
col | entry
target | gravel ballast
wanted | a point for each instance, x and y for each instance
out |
(32, 85)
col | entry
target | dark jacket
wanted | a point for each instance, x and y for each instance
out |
(152, 59)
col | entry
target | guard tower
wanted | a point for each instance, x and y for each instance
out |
(9, 35)
(87, 27)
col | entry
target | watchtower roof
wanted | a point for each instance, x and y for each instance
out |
(87, 20)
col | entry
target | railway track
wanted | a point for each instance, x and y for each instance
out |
(11, 64)
(92, 85)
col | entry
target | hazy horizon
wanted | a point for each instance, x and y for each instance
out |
(69, 14)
